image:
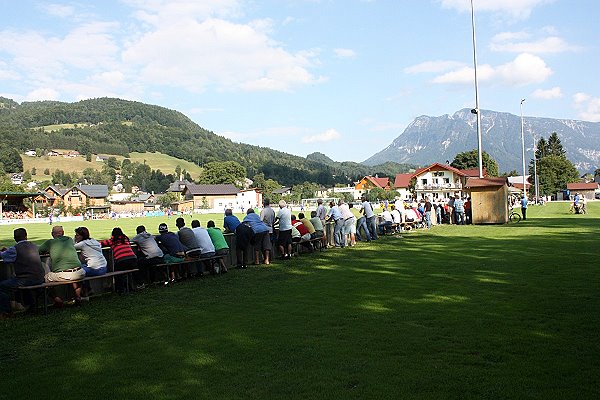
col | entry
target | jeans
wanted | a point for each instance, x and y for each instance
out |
(428, 218)
(338, 236)
(460, 217)
(8, 287)
(372, 224)
(362, 223)
(93, 271)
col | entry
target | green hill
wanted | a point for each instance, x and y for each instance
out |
(121, 127)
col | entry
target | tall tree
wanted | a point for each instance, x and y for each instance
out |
(541, 150)
(554, 172)
(555, 147)
(223, 172)
(470, 159)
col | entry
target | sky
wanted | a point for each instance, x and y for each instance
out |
(341, 77)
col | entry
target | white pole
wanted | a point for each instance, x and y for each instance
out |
(477, 110)
(535, 178)
(523, 146)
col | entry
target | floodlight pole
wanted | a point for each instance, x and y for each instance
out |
(523, 148)
(477, 111)
(535, 178)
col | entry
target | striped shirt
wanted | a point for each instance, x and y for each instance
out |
(120, 250)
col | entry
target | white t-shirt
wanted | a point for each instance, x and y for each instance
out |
(285, 219)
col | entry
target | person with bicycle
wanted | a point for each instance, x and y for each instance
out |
(524, 206)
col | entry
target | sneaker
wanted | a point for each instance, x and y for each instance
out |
(140, 287)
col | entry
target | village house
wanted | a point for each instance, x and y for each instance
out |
(90, 197)
(370, 182)
(402, 185)
(209, 197)
(588, 190)
(441, 181)
(249, 198)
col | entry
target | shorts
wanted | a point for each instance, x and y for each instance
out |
(284, 238)
(262, 241)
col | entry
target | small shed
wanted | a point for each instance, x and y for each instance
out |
(489, 200)
(585, 189)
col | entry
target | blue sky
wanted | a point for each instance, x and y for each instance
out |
(343, 77)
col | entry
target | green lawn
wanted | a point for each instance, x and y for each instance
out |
(475, 312)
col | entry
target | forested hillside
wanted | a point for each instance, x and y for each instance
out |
(115, 126)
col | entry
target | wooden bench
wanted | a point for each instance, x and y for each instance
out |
(49, 285)
(213, 261)
(317, 243)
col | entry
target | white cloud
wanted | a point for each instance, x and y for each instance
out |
(58, 10)
(523, 70)
(42, 94)
(588, 107)
(217, 53)
(507, 41)
(344, 53)
(549, 94)
(433, 66)
(520, 9)
(327, 136)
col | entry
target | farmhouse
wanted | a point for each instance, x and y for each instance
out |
(215, 197)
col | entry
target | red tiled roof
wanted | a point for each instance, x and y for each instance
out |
(485, 182)
(473, 172)
(379, 182)
(402, 180)
(582, 186)
(442, 166)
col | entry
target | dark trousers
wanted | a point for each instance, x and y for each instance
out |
(524, 212)
(8, 287)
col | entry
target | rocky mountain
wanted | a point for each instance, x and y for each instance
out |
(438, 139)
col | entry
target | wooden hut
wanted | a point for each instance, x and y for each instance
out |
(489, 200)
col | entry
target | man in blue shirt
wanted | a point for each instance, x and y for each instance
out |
(459, 211)
(367, 210)
(261, 240)
(230, 222)
(524, 207)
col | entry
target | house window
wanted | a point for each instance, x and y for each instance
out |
(435, 180)
(424, 181)
(74, 192)
(446, 180)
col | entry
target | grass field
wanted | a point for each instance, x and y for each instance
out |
(165, 163)
(458, 312)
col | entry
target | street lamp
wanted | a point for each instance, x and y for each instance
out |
(476, 110)
(535, 178)
(523, 146)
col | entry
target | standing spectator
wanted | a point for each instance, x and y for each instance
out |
(362, 223)
(123, 256)
(427, 207)
(322, 215)
(149, 255)
(261, 240)
(439, 209)
(370, 216)
(267, 215)
(524, 206)
(451, 214)
(284, 239)
(468, 213)
(230, 222)
(28, 270)
(349, 228)
(65, 264)
(219, 242)
(335, 215)
(459, 211)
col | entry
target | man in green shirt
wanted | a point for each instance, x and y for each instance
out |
(65, 264)
(218, 240)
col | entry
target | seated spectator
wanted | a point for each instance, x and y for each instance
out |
(94, 263)
(303, 235)
(65, 264)
(123, 256)
(187, 237)
(219, 242)
(205, 244)
(387, 221)
(149, 254)
(316, 223)
(230, 222)
(173, 249)
(396, 215)
(28, 268)
(306, 222)
(261, 240)
(90, 250)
